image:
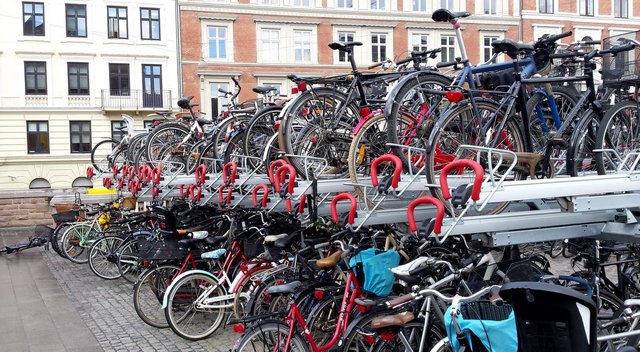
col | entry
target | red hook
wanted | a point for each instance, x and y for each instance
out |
(226, 178)
(426, 200)
(265, 196)
(397, 172)
(352, 210)
(271, 172)
(461, 163)
(281, 175)
(201, 174)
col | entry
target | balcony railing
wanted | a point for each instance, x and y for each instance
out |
(135, 99)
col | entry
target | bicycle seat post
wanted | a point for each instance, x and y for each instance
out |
(457, 26)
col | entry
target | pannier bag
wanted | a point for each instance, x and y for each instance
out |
(373, 270)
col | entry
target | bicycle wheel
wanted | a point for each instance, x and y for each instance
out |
(417, 100)
(76, 242)
(136, 143)
(319, 125)
(103, 259)
(323, 318)
(580, 156)
(620, 131)
(409, 338)
(270, 336)
(256, 136)
(148, 294)
(543, 126)
(462, 126)
(56, 238)
(370, 142)
(128, 261)
(233, 150)
(185, 313)
(169, 135)
(248, 285)
(102, 155)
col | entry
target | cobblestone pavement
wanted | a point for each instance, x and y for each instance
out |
(107, 309)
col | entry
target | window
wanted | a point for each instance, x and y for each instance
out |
(420, 5)
(378, 4)
(419, 42)
(487, 49)
(116, 132)
(37, 137)
(33, 18)
(302, 46)
(268, 2)
(218, 101)
(490, 7)
(39, 183)
(119, 79)
(117, 22)
(217, 38)
(80, 135)
(344, 37)
(545, 6)
(345, 4)
(269, 40)
(447, 4)
(447, 44)
(378, 47)
(35, 78)
(301, 3)
(76, 20)
(149, 23)
(621, 8)
(586, 7)
(78, 78)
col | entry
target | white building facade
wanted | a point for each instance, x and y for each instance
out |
(68, 70)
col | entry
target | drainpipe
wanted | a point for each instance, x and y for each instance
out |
(520, 35)
(179, 49)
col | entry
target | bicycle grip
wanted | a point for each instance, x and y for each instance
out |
(446, 64)
(396, 172)
(461, 163)
(399, 300)
(404, 61)
(375, 65)
(555, 37)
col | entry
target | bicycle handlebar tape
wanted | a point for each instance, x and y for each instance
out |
(265, 196)
(272, 167)
(281, 175)
(437, 228)
(226, 178)
(397, 172)
(201, 174)
(352, 209)
(460, 164)
(399, 300)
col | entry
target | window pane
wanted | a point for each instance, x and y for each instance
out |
(32, 127)
(43, 127)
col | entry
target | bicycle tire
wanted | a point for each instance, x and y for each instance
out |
(102, 155)
(413, 100)
(619, 131)
(267, 335)
(259, 129)
(412, 333)
(76, 242)
(136, 143)
(129, 265)
(102, 257)
(169, 134)
(148, 292)
(580, 156)
(443, 147)
(176, 305)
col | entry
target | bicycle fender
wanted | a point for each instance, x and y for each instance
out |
(402, 82)
(165, 299)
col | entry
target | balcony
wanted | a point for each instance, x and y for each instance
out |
(135, 99)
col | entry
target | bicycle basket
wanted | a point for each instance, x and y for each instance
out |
(161, 250)
(373, 270)
(67, 216)
(624, 67)
(489, 327)
(65, 207)
(513, 270)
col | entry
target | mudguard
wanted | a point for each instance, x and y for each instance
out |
(165, 299)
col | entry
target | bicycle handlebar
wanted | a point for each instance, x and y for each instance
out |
(431, 292)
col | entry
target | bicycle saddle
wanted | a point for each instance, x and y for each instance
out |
(511, 47)
(184, 102)
(343, 46)
(263, 89)
(202, 121)
(444, 15)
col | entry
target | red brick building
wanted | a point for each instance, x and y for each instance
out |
(262, 41)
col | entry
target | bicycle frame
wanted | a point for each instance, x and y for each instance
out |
(348, 301)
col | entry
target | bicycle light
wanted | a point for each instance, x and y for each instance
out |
(238, 328)
(318, 294)
(302, 86)
(454, 96)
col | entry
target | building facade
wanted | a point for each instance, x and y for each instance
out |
(69, 69)
(262, 41)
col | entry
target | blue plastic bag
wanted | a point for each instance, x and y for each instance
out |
(495, 335)
(373, 269)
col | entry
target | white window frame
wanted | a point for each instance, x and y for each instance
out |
(629, 8)
(302, 45)
(451, 5)
(494, 5)
(286, 42)
(337, 52)
(261, 43)
(420, 8)
(228, 44)
(285, 88)
(483, 36)
(345, 3)
(454, 46)
(301, 3)
(379, 46)
(377, 3)
(215, 94)
(554, 4)
(426, 46)
(363, 35)
(594, 9)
